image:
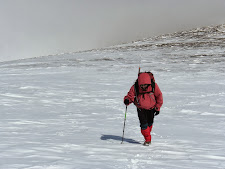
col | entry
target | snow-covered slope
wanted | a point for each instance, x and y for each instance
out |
(67, 112)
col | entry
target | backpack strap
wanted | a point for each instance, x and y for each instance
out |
(136, 89)
(152, 81)
(153, 86)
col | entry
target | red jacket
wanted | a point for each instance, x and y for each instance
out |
(145, 99)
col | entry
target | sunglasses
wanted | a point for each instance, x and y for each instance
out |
(144, 86)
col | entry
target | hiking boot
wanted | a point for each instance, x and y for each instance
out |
(147, 143)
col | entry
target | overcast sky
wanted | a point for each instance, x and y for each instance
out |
(30, 28)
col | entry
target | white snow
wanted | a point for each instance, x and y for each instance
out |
(67, 112)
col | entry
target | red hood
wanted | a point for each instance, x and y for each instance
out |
(144, 78)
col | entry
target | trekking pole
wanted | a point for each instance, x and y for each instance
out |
(124, 124)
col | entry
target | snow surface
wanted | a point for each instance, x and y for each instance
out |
(67, 112)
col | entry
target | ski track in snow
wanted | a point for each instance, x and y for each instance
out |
(67, 112)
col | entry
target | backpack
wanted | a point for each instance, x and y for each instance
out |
(136, 86)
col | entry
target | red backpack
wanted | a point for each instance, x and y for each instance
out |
(136, 88)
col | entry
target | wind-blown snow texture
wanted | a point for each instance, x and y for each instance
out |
(67, 112)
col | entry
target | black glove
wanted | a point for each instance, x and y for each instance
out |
(156, 112)
(126, 102)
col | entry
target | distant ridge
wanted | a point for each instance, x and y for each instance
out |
(198, 37)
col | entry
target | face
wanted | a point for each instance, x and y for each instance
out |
(144, 87)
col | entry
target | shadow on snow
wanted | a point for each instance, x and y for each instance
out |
(119, 138)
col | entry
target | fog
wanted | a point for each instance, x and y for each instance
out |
(31, 28)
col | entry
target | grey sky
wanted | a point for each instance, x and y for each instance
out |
(31, 28)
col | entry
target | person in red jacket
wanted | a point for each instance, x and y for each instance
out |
(147, 97)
